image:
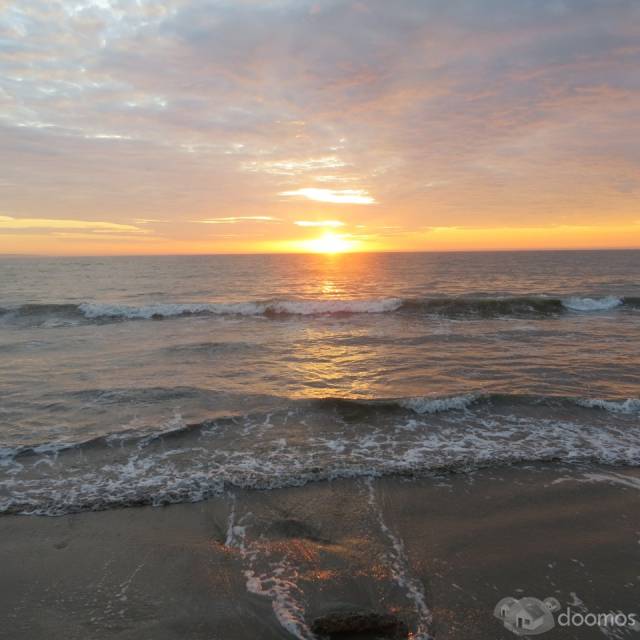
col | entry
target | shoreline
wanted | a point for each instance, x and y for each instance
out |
(438, 553)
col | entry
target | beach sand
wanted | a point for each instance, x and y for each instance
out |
(437, 552)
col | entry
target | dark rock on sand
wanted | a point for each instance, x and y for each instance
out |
(293, 528)
(360, 625)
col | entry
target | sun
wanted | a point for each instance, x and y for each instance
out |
(330, 242)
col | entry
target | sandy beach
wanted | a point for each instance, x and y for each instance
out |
(436, 552)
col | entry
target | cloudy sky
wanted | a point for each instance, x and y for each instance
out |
(147, 126)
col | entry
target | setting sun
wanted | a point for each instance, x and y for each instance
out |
(330, 242)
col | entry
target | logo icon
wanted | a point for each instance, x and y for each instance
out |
(527, 616)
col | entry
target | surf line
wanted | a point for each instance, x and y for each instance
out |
(398, 563)
(277, 583)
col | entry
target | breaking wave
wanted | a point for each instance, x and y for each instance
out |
(629, 406)
(455, 307)
(593, 304)
(315, 440)
(275, 307)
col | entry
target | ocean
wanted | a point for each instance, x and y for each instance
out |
(154, 380)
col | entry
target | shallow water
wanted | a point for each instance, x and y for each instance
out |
(153, 380)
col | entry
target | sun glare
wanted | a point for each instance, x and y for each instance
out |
(330, 242)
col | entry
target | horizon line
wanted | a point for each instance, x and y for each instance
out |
(310, 253)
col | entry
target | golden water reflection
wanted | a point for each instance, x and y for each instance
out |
(327, 368)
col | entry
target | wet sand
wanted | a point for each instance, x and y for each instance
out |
(437, 552)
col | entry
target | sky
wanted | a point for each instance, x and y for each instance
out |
(208, 126)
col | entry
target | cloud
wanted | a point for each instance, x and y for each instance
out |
(236, 219)
(101, 237)
(8, 222)
(336, 196)
(294, 167)
(319, 223)
(451, 113)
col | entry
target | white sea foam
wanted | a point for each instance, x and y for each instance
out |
(314, 307)
(424, 405)
(630, 405)
(614, 478)
(399, 565)
(95, 311)
(274, 579)
(592, 304)
(256, 453)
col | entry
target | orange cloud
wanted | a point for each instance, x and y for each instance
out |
(336, 196)
(319, 223)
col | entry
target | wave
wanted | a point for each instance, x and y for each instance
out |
(416, 404)
(454, 307)
(308, 440)
(274, 308)
(362, 408)
(592, 304)
(629, 406)
(523, 306)
(429, 405)
(352, 407)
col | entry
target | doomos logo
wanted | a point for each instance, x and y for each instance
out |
(527, 616)
(530, 616)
